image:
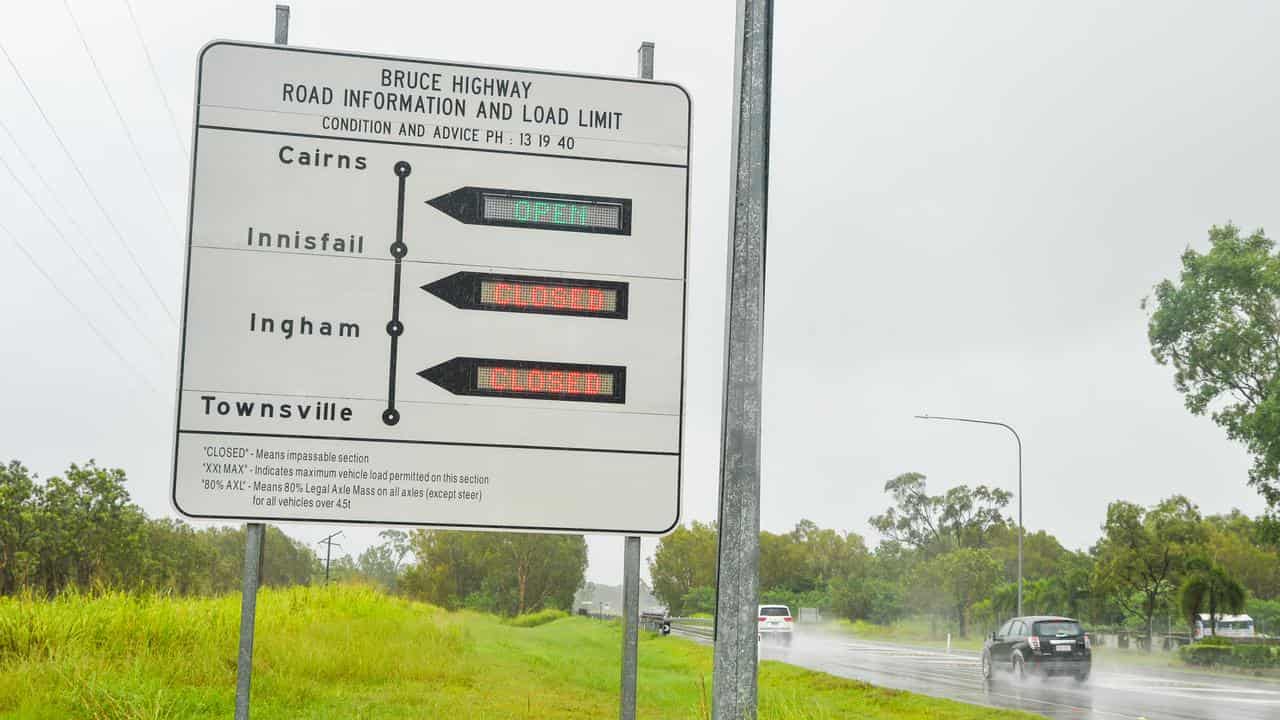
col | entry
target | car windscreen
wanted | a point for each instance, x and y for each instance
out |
(774, 612)
(1058, 627)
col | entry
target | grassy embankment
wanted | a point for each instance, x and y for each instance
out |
(351, 652)
(912, 631)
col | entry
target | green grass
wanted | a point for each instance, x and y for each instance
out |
(542, 617)
(911, 631)
(353, 653)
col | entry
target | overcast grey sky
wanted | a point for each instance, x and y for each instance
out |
(967, 205)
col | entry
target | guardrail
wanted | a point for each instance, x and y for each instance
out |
(701, 628)
(655, 622)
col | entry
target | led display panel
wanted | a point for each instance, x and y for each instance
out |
(514, 294)
(534, 210)
(529, 294)
(530, 379)
(535, 380)
(537, 209)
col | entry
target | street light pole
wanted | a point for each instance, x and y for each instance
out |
(1019, 441)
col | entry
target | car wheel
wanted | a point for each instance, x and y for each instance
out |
(988, 672)
(1019, 668)
(1082, 677)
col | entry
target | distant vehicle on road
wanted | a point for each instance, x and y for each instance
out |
(776, 623)
(1041, 645)
(1228, 626)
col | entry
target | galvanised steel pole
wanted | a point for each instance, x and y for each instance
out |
(631, 546)
(253, 552)
(738, 571)
(1019, 441)
(254, 533)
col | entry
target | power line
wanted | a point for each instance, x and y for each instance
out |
(155, 75)
(71, 218)
(83, 315)
(89, 188)
(84, 263)
(102, 80)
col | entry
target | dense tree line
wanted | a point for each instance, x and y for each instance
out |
(501, 573)
(504, 573)
(952, 557)
(79, 530)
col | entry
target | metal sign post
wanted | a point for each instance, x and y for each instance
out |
(253, 554)
(738, 578)
(631, 623)
(254, 535)
(631, 546)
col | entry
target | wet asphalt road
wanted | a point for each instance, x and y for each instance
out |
(1108, 695)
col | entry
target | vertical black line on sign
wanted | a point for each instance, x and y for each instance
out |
(395, 328)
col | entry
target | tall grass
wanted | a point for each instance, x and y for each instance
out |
(542, 617)
(126, 656)
(346, 652)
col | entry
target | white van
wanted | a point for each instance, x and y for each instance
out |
(1228, 626)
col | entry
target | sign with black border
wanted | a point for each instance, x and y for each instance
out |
(432, 294)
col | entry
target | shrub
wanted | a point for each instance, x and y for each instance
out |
(482, 602)
(1210, 651)
(1254, 656)
(542, 617)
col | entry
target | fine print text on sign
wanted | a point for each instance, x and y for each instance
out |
(427, 293)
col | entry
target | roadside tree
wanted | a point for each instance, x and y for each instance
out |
(949, 584)
(19, 552)
(1143, 553)
(382, 563)
(1218, 326)
(508, 573)
(962, 517)
(684, 560)
(1209, 588)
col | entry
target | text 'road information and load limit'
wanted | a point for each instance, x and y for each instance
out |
(427, 293)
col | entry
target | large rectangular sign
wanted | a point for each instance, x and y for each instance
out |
(427, 293)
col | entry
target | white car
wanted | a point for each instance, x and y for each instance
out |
(776, 623)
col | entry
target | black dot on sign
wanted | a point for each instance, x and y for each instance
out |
(391, 416)
(402, 169)
(395, 327)
(399, 249)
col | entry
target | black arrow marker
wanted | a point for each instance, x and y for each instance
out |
(530, 294)
(539, 210)
(529, 379)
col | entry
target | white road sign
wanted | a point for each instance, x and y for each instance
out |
(427, 293)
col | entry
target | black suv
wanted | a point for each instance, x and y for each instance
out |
(1042, 645)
